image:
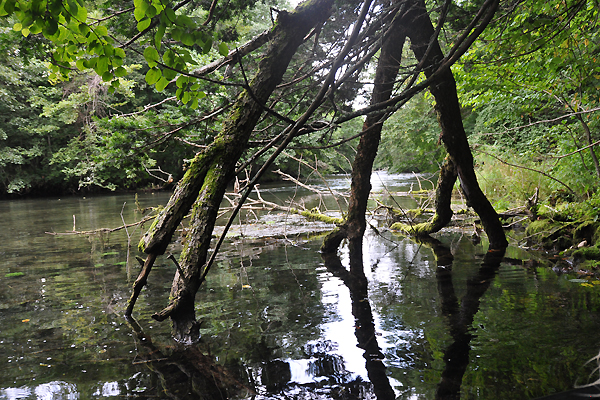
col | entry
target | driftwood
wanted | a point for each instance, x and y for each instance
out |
(103, 230)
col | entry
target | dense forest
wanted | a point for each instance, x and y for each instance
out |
(528, 88)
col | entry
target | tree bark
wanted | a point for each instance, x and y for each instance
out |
(366, 151)
(427, 50)
(588, 138)
(210, 172)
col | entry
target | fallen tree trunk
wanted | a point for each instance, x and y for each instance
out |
(211, 170)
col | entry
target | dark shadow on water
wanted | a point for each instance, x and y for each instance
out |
(459, 316)
(183, 372)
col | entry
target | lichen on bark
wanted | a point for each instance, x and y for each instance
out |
(212, 169)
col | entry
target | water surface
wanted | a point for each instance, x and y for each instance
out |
(276, 318)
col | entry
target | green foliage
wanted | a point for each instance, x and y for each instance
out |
(505, 185)
(85, 124)
(533, 83)
(409, 139)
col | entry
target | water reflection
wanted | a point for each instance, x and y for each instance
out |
(179, 372)
(278, 320)
(459, 316)
(357, 284)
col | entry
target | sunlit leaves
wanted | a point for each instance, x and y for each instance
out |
(151, 56)
(153, 75)
(81, 43)
(223, 49)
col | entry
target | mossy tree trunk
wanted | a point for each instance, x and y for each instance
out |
(204, 184)
(429, 54)
(385, 75)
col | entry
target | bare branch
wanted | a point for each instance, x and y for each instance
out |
(255, 43)
(529, 169)
(546, 121)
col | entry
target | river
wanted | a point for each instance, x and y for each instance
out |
(277, 319)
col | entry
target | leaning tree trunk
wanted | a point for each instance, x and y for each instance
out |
(453, 136)
(387, 69)
(205, 181)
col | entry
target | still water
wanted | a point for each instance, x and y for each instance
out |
(276, 320)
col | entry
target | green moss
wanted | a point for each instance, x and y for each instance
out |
(587, 253)
(540, 226)
(317, 216)
(590, 265)
(149, 233)
(422, 229)
(551, 233)
(14, 274)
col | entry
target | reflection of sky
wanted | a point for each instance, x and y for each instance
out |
(57, 390)
(339, 325)
(47, 391)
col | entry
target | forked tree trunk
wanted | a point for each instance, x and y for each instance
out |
(205, 181)
(453, 136)
(385, 76)
(416, 24)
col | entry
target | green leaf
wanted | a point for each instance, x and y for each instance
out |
(153, 75)
(120, 72)
(161, 84)
(84, 29)
(182, 81)
(184, 20)
(119, 52)
(223, 49)
(151, 56)
(187, 39)
(109, 50)
(107, 76)
(80, 64)
(151, 11)
(171, 17)
(207, 46)
(169, 74)
(9, 6)
(160, 32)
(101, 31)
(140, 9)
(101, 65)
(143, 24)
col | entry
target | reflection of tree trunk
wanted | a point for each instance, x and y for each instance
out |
(365, 327)
(420, 31)
(460, 318)
(385, 75)
(185, 373)
(205, 181)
